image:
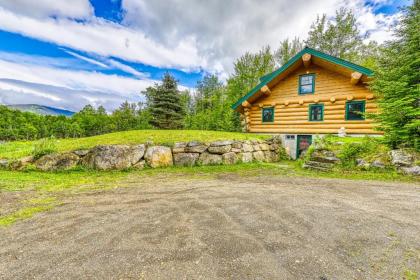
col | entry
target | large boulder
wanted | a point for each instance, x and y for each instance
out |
(81, 153)
(179, 147)
(237, 145)
(186, 159)
(259, 156)
(412, 170)
(114, 157)
(378, 164)
(219, 149)
(401, 158)
(54, 162)
(195, 147)
(209, 159)
(221, 143)
(264, 147)
(21, 163)
(247, 148)
(158, 156)
(245, 157)
(271, 156)
(229, 158)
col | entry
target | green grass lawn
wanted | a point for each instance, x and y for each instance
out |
(18, 149)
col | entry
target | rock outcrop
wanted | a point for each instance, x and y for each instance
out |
(113, 157)
(119, 157)
(55, 162)
(158, 156)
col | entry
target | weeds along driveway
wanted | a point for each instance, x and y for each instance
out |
(223, 227)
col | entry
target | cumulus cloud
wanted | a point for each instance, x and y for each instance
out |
(21, 82)
(104, 38)
(186, 34)
(224, 30)
(79, 9)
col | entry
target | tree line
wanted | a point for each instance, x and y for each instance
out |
(207, 107)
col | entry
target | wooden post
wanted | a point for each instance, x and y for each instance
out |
(266, 90)
(306, 59)
(355, 77)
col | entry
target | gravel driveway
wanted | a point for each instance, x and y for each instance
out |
(229, 227)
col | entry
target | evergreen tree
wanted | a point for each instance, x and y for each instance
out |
(397, 82)
(165, 105)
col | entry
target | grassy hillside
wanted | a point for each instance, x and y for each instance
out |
(13, 150)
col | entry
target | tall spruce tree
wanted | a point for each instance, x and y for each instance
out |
(165, 105)
(397, 82)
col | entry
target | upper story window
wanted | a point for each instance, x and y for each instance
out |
(355, 110)
(307, 84)
(268, 114)
(316, 112)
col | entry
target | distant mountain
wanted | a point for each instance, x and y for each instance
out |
(41, 110)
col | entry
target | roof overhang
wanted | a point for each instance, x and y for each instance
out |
(324, 60)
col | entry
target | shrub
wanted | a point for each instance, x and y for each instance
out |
(367, 148)
(44, 147)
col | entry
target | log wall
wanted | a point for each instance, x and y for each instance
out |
(291, 110)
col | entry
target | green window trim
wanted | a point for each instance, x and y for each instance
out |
(271, 109)
(300, 84)
(363, 109)
(311, 106)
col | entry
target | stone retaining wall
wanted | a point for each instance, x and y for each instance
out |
(119, 157)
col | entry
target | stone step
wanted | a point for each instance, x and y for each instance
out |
(318, 168)
(319, 164)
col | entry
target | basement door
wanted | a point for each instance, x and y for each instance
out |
(302, 144)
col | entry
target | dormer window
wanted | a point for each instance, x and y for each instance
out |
(307, 84)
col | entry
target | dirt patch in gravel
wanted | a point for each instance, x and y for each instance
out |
(228, 227)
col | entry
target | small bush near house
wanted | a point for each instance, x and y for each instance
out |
(368, 149)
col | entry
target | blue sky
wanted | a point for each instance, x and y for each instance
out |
(70, 53)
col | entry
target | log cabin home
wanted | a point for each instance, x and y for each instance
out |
(312, 94)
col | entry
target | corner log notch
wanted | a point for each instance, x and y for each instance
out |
(246, 104)
(306, 58)
(266, 90)
(355, 77)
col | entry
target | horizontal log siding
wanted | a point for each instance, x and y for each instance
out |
(293, 118)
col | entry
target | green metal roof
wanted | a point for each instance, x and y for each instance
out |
(269, 77)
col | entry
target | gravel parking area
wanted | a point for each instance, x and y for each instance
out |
(227, 227)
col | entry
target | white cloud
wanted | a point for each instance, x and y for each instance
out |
(87, 59)
(28, 83)
(43, 8)
(105, 38)
(224, 30)
(184, 34)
